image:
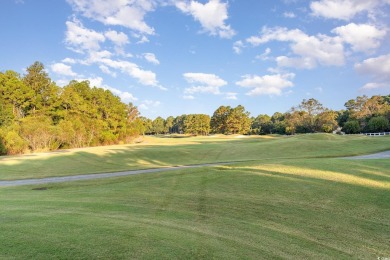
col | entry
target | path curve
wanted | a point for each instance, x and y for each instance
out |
(102, 175)
(382, 155)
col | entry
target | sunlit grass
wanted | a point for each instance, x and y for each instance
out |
(318, 208)
(157, 152)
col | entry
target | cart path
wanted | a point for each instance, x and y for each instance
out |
(382, 155)
(102, 175)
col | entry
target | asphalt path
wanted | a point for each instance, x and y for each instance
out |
(101, 175)
(382, 155)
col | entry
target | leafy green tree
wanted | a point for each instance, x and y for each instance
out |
(218, 121)
(148, 125)
(158, 125)
(15, 96)
(326, 121)
(178, 124)
(262, 125)
(378, 124)
(227, 120)
(351, 127)
(169, 124)
(238, 121)
(197, 124)
(45, 92)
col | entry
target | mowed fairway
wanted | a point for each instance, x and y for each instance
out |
(288, 198)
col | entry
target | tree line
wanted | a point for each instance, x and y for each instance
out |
(38, 115)
(362, 114)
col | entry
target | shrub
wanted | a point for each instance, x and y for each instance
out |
(378, 124)
(351, 127)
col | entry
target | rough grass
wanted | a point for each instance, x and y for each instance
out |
(157, 152)
(287, 208)
(291, 201)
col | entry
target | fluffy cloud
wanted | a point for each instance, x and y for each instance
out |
(84, 40)
(81, 39)
(119, 39)
(266, 85)
(127, 13)
(378, 69)
(63, 69)
(289, 15)
(211, 15)
(231, 96)
(310, 50)
(145, 77)
(150, 57)
(362, 37)
(237, 47)
(147, 104)
(205, 83)
(343, 9)
(98, 82)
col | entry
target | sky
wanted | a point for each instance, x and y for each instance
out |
(178, 57)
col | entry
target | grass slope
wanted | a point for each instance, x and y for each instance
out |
(160, 152)
(287, 204)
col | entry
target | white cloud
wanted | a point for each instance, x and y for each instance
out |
(150, 57)
(267, 84)
(309, 50)
(98, 82)
(374, 85)
(344, 9)
(63, 69)
(237, 47)
(188, 97)
(81, 39)
(118, 39)
(147, 104)
(208, 83)
(69, 60)
(289, 15)
(103, 58)
(127, 13)
(211, 15)
(231, 96)
(362, 37)
(106, 70)
(378, 69)
(264, 55)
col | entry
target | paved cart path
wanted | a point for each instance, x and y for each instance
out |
(382, 155)
(101, 175)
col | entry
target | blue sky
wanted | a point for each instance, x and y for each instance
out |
(178, 57)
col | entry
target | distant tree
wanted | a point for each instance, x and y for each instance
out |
(148, 125)
(238, 121)
(178, 124)
(44, 89)
(218, 121)
(197, 124)
(378, 124)
(326, 121)
(351, 127)
(227, 120)
(158, 125)
(262, 124)
(169, 124)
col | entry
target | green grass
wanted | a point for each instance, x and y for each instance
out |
(297, 203)
(160, 152)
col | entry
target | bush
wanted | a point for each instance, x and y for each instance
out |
(351, 127)
(15, 144)
(378, 124)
